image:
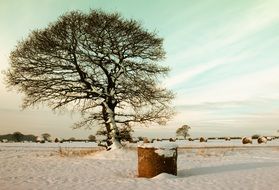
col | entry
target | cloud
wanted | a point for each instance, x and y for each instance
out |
(261, 84)
(188, 74)
(233, 42)
(232, 31)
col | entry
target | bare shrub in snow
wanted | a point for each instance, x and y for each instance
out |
(71, 152)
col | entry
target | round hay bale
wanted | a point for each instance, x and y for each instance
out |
(190, 139)
(269, 138)
(172, 140)
(203, 139)
(145, 140)
(155, 160)
(247, 140)
(262, 140)
(38, 139)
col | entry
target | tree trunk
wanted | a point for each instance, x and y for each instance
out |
(107, 125)
(112, 129)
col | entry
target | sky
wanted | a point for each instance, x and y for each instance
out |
(223, 57)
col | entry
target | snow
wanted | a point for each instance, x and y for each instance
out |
(159, 145)
(166, 149)
(166, 152)
(214, 165)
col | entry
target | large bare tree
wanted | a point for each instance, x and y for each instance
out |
(99, 64)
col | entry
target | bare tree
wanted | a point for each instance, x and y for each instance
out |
(99, 64)
(92, 138)
(46, 136)
(18, 136)
(183, 131)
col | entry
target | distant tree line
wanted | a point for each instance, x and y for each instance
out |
(18, 137)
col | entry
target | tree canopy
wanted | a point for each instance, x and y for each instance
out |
(46, 136)
(96, 63)
(183, 131)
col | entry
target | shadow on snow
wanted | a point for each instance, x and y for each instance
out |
(225, 168)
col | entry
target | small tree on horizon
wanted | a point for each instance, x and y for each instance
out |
(18, 136)
(72, 139)
(98, 64)
(183, 131)
(46, 136)
(92, 138)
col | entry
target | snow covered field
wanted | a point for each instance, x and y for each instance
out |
(213, 165)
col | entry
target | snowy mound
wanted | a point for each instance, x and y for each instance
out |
(164, 176)
(159, 145)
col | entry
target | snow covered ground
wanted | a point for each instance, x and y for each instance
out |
(213, 165)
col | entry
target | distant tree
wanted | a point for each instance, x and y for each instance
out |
(183, 131)
(256, 136)
(92, 138)
(29, 138)
(18, 136)
(72, 139)
(46, 136)
(99, 64)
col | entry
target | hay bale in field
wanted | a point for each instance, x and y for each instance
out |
(190, 139)
(247, 140)
(153, 160)
(172, 140)
(40, 140)
(145, 140)
(262, 140)
(269, 138)
(203, 139)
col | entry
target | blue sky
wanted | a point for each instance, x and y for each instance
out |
(223, 57)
